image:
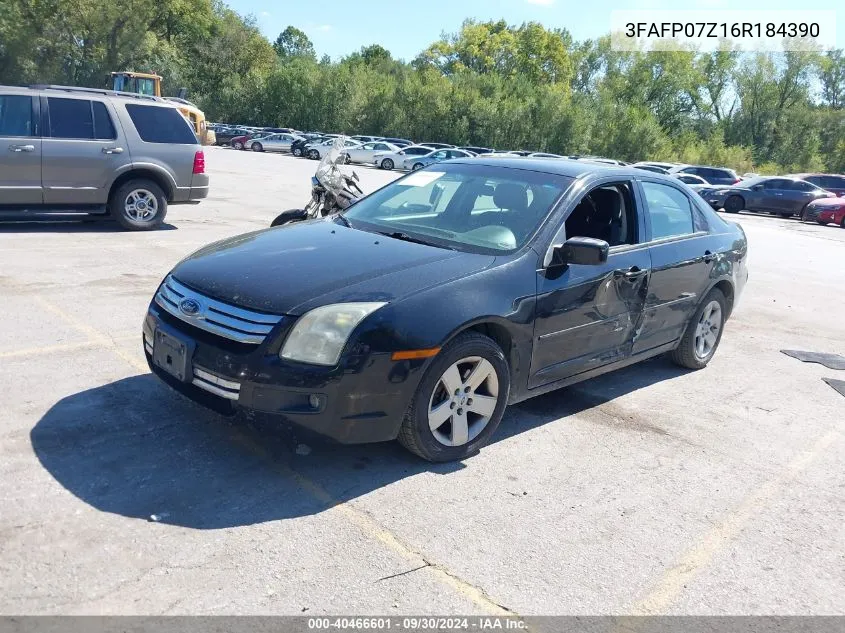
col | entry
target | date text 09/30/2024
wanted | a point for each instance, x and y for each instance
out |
(422, 623)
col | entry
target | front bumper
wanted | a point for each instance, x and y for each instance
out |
(362, 400)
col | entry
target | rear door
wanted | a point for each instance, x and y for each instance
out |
(83, 149)
(798, 195)
(20, 150)
(682, 257)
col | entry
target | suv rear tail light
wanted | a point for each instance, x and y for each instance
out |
(199, 163)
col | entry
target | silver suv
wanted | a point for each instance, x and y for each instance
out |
(81, 150)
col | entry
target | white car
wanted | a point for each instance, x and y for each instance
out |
(316, 151)
(366, 153)
(418, 162)
(389, 160)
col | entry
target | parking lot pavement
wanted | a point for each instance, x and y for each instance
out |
(649, 490)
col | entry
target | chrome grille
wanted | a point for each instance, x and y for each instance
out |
(237, 324)
(215, 384)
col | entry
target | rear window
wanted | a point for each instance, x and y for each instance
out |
(156, 124)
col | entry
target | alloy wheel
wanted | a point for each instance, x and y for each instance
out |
(707, 330)
(140, 205)
(463, 401)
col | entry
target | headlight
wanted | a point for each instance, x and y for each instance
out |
(319, 335)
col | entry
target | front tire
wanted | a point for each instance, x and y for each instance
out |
(703, 333)
(459, 402)
(734, 204)
(138, 205)
(387, 164)
(297, 151)
(238, 145)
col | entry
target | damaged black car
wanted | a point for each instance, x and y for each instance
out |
(427, 307)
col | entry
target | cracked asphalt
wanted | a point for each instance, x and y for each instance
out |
(648, 490)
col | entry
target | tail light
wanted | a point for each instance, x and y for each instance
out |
(199, 163)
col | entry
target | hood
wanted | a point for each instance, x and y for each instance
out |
(292, 269)
(829, 201)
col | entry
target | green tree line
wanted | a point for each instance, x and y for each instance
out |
(492, 84)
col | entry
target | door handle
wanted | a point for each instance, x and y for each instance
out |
(632, 273)
(778, 194)
(112, 150)
(21, 148)
(708, 257)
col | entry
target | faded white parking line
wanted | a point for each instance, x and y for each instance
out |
(676, 579)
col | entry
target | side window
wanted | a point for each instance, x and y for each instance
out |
(441, 154)
(381, 147)
(15, 115)
(669, 209)
(103, 126)
(775, 184)
(605, 213)
(157, 124)
(71, 118)
(797, 185)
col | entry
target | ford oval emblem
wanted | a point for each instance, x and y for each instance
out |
(189, 307)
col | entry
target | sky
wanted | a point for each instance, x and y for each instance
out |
(405, 27)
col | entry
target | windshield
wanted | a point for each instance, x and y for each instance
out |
(328, 172)
(476, 208)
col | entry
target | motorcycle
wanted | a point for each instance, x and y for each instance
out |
(332, 190)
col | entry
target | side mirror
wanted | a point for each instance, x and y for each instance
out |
(584, 251)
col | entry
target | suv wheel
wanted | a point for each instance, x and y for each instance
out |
(459, 401)
(138, 205)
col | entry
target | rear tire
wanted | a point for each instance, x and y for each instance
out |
(387, 164)
(257, 147)
(706, 326)
(138, 205)
(475, 367)
(417, 166)
(734, 204)
(313, 154)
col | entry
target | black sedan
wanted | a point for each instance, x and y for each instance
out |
(428, 306)
(773, 194)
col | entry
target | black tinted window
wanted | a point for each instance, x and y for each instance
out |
(835, 182)
(103, 126)
(156, 124)
(669, 209)
(776, 183)
(71, 118)
(15, 115)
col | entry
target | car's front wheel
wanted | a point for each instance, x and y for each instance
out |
(703, 333)
(459, 401)
(138, 205)
(297, 151)
(238, 145)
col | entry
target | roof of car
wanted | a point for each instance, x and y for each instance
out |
(571, 168)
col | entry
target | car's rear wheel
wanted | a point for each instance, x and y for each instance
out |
(138, 205)
(387, 164)
(734, 204)
(313, 154)
(703, 332)
(257, 147)
(459, 402)
(417, 166)
(238, 145)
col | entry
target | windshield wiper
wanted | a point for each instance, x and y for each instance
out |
(399, 235)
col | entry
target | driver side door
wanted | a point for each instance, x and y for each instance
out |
(587, 315)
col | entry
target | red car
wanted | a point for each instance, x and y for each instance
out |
(826, 211)
(239, 142)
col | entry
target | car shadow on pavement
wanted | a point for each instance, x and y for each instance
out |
(135, 448)
(75, 225)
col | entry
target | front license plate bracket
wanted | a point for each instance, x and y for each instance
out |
(173, 355)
